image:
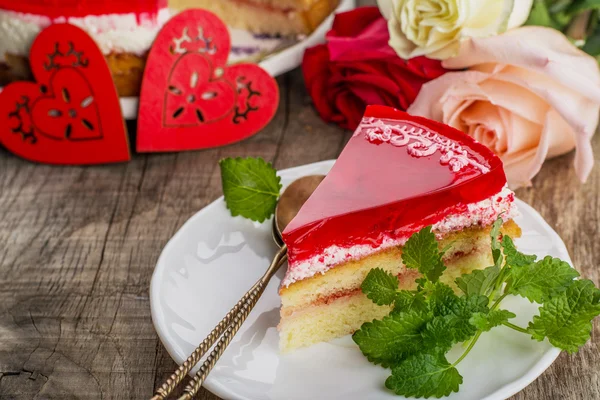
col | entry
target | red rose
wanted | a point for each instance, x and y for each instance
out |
(357, 68)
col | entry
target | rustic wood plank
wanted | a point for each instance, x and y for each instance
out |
(77, 250)
(573, 210)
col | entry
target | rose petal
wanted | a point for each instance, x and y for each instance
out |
(516, 168)
(453, 107)
(486, 117)
(527, 167)
(315, 68)
(351, 23)
(399, 42)
(427, 104)
(579, 112)
(352, 108)
(486, 17)
(370, 42)
(386, 7)
(520, 13)
(515, 98)
(483, 135)
(425, 67)
(523, 134)
(557, 59)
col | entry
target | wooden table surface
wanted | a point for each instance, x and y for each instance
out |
(78, 247)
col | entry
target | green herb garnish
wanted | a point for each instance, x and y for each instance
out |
(251, 187)
(427, 322)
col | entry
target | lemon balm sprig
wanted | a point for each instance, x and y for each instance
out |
(427, 322)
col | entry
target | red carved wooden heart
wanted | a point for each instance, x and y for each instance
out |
(190, 99)
(71, 114)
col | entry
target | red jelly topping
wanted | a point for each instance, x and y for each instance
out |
(82, 8)
(378, 190)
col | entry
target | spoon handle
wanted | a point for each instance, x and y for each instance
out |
(167, 388)
(228, 327)
(194, 385)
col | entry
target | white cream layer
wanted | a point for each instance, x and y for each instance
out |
(482, 213)
(119, 33)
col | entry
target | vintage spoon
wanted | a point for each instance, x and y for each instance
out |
(288, 206)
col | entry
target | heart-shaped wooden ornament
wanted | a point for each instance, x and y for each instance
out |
(71, 115)
(190, 99)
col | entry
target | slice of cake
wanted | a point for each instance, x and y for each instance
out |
(124, 31)
(397, 174)
(275, 17)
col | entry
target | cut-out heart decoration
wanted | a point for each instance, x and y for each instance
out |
(71, 115)
(190, 99)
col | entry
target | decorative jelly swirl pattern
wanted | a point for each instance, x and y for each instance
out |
(419, 142)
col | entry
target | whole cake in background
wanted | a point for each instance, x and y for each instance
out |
(275, 17)
(397, 175)
(123, 29)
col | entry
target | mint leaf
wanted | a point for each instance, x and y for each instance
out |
(250, 186)
(566, 318)
(410, 301)
(380, 286)
(495, 234)
(441, 298)
(392, 338)
(461, 312)
(424, 375)
(485, 322)
(439, 334)
(482, 281)
(478, 281)
(425, 323)
(514, 258)
(541, 280)
(421, 252)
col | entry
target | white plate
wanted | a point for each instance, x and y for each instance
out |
(276, 64)
(211, 262)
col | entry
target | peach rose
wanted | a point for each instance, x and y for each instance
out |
(528, 95)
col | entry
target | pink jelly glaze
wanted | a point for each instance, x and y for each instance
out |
(377, 191)
(82, 8)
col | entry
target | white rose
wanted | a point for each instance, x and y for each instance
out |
(435, 27)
